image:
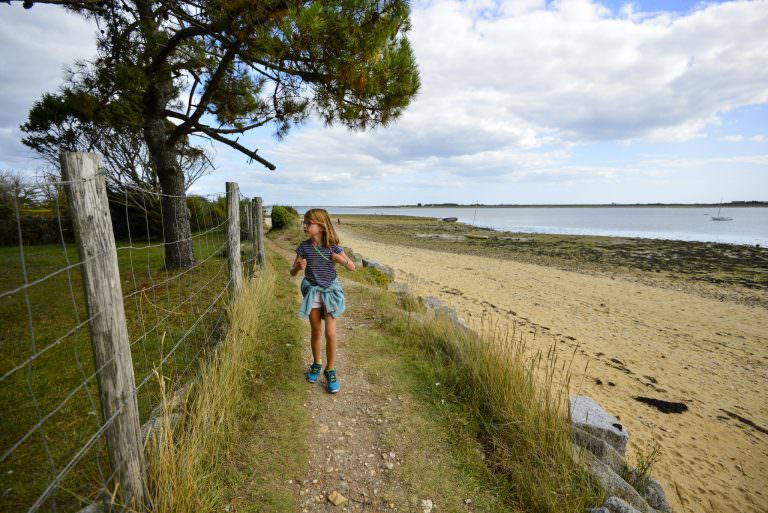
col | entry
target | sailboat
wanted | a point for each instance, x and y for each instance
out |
(718, 217)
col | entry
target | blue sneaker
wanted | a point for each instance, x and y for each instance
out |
(314, 372)
(332, 383)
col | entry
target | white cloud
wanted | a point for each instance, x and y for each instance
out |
(37, 45)
(575, 69)
(761, 161)
(741, 138)
(510, 89)
(503, 81)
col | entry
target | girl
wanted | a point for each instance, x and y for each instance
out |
(323, 296)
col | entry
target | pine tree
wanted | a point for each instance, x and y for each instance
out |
(218, 68)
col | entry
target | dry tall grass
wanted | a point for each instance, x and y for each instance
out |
(184, 459)
(519, 403)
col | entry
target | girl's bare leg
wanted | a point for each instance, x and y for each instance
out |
(315, 324)
(330, 341)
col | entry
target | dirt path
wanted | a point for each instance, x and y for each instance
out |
(348, 452)
(637, 341)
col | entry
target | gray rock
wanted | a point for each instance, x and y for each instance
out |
(589, 416)
(655, 496)
(437, 306)
(598, 510)
(357, 259)
(367, 262)
(614, 485)
(398, 288)
(600, 448)
(617, 505)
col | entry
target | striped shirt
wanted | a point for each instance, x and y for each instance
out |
(321, 270)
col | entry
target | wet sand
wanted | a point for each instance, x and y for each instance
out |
(636, 340)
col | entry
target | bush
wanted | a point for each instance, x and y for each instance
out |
(283, 217)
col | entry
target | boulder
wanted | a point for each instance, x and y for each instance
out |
(357, 259)
(435, 305)
(586, 414)
(617, 505)
(598, 510)
(615, 486)
(654, 495)
(367, 262)
(399, 289)
(600, 448)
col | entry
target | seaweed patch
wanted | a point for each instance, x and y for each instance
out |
(662, 405)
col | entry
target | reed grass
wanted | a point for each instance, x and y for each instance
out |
(517, 401)
(187, 461)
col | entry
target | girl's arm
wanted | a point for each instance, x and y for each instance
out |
(341, 258)
(298, 265)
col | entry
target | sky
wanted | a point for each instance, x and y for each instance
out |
(528, 102)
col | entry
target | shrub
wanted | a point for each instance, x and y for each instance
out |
(283, 217)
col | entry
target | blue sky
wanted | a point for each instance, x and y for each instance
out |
(522, 101)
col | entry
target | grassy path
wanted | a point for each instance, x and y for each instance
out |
(387, 441)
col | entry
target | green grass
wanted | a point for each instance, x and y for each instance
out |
(434, 439)
(55, 305)
(273, 397)
(245, 426)
(476, 395)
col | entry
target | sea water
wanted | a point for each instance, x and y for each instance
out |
(749, 224)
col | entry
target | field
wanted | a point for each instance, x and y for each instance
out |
(48, 371)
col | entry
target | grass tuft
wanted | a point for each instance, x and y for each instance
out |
(518, 405)
(193, 465)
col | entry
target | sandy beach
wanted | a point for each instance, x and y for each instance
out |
(633, 339)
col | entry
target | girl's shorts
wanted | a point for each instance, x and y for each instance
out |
(317, 302)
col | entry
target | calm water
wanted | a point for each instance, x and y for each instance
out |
(749, 225)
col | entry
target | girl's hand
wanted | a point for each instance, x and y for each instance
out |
(298, 265)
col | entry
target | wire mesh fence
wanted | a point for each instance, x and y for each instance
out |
(53, 449)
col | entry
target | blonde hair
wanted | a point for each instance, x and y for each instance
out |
(320, 217)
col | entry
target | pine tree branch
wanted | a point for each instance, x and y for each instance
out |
(210, 87)
(216, 134)
(174, 41)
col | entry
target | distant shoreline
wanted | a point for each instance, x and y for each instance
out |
(740, 204)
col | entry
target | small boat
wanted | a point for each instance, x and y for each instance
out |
(450, 219)
(718, 217)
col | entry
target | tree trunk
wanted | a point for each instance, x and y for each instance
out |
(162, 154)
(178, 234)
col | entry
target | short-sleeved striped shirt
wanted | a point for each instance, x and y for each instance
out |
(321, 270)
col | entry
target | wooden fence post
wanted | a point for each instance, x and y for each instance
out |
(248, 220)
(254, 242)
(87, 195)
(233, 238)
(261, 255)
